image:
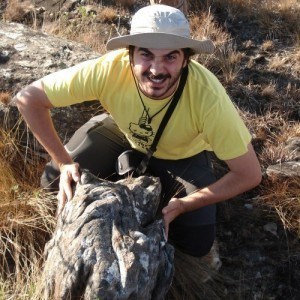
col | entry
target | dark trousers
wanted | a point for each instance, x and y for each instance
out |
(96, 146)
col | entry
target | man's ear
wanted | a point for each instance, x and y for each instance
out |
(185, 61)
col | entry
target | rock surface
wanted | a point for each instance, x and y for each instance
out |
(290, 168)
(106, 244)
(286, 169)
(27, 55)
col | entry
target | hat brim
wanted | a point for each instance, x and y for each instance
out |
(160, 41)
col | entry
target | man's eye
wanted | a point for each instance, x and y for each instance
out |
(146, 55)
(170, 58)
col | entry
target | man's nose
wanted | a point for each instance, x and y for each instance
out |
(157, 66)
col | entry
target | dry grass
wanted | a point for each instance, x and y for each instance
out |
(5, 97)
(275, 150)
(19, 11)
(92, 28)
(283, 195)
(272, 134)
(278, 18)
(268, 45)
(225, 62)
(25, 287)
(269, 91)
(108, 14)
(286, 62)
(199, 282)
(26, 218)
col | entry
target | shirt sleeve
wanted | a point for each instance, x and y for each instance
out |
(225, 130)
(74, 85)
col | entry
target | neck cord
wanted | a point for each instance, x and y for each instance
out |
(150, 118)
(144, 163)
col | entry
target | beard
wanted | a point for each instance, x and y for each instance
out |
(158, 86)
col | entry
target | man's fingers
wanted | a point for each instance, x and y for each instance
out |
(61, 197)
(166, 230)
(68, 174)
(172, 211)
(68, 191)
(175, 204)
(170, 216)
(75, 172)
(65, 186)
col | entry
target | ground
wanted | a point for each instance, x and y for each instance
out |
(258, 263)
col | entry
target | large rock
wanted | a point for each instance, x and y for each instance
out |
(27, 55)
(291, 167)
(288, 169)
(107, 245)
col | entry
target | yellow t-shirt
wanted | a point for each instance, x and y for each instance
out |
(204, 118)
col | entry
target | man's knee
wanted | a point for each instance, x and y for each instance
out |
(193, 240)
(50, 177)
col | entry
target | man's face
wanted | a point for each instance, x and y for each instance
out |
(157, 70)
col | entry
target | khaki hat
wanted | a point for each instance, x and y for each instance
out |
(160, 27)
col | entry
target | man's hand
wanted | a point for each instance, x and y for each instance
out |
(68, 174)
(174, 208)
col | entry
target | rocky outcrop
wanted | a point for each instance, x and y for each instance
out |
(291, 167)
(27, 55)
(285, 169)
(106, 244)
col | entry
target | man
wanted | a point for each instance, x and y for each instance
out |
(136, 85)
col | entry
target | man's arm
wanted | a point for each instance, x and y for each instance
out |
(35, 106)
(244, 173)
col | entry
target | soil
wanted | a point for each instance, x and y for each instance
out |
(260, 258)
(258, 263)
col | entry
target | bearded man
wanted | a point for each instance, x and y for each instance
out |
(136, 83)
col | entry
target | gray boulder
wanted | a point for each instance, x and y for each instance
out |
(107, 244)
(291, 167)
(27, 55)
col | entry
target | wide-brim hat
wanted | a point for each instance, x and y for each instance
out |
(161, 27)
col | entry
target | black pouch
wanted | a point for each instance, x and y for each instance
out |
(128, 161)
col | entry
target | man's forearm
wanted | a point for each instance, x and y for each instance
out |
(227, 187)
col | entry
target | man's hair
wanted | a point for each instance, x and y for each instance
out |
(188, 52)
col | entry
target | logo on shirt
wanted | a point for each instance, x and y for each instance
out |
(142, 132)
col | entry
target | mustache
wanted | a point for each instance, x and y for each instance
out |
(158, 77)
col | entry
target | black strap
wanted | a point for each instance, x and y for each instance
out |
(144, 163)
